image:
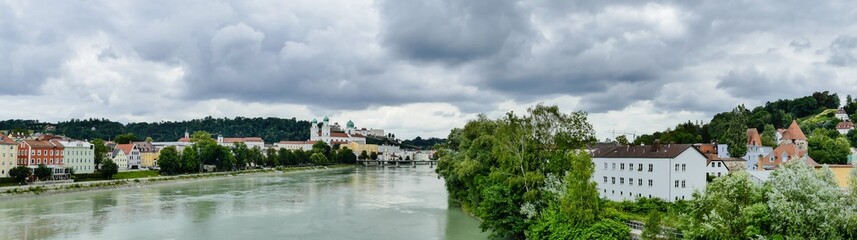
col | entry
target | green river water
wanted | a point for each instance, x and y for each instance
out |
(351, 203)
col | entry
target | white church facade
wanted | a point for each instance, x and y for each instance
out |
(334, 134)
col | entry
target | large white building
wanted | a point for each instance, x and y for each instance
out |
(670, 171)
(295, 145)
(331, 134)
(78, 155)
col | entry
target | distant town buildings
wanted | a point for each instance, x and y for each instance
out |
(333, 134)
(78, 155)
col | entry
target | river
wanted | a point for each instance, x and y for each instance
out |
(349, 203)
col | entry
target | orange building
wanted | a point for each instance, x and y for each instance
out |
(35, 152)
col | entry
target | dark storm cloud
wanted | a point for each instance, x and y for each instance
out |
(474, 54)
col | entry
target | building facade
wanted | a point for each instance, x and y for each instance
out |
(31, 153)
(295, 145)
(78, 155)
(670, 172)
(358, 148)
(132, 154)
(8, 155)
(120, 159)
(148, 154)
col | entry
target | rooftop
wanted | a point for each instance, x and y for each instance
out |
(652, 151)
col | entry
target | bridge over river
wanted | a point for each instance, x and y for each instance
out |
(397, 163)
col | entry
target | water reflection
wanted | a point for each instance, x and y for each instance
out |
(353, 203)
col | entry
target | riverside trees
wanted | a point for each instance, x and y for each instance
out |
(528, 176)
(239, 156)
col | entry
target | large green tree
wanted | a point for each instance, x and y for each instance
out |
(169, 161)
(827, 150)
(242, 154)
(20, 173)
(734, 132)
(732, 207)
(190, 160)
(769, 136)
(125, 138)
(100, 151)
(318, 159)
(805, 203)
(42, 172)
(108, 169)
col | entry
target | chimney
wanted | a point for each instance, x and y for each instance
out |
(759, 166)
(656, 145)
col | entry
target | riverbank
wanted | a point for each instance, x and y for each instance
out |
(19, 192)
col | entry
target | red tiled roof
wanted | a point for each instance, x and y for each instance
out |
(663, 151)
(243, 139)
(794, 132)
(753, 137)
(845, 125)
(41, 144)
(297, 142)
(7, 140)
(339, 134)
(126, 148)
(791, 151)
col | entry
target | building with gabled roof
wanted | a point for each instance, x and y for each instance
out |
(793, 135)
(134, 159)
(844, 127)
(841, 114)
(34, 152)
(8, 155)
(670, 172)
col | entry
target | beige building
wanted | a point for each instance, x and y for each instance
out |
(148, 154)
(8, 150)
(360, 147)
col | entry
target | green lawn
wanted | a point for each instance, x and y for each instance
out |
(136, 174)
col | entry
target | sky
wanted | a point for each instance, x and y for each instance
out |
(420, 67)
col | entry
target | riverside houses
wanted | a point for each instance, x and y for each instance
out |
(8, 157)
(670, 172)
(78, 155)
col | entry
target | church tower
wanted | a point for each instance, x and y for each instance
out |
(313, 130)
(325, 128)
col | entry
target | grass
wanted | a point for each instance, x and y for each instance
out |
(136, 174)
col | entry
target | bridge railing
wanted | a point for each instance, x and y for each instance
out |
(666, 232)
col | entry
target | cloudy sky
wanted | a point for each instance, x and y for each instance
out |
(418, 67)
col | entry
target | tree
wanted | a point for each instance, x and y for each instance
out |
(125, 138)
(373, 156)
(363, 155)
(284, 157)
(318, 159)
(169, 161)
(42, 172)
(732, 207)
(149, 139)
(407, 158)
(271, 157)
(769, 136)
(100, 151)
(652, 229)
(800, 197)
(826, 150)
(202, 139)
(108, 169)
(20, 173)
(622, 139)
(190, 162)
(242, 154)
(735, 132)
(346, 156)
(256, 156)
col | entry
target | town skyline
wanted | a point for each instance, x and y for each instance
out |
(364, 60)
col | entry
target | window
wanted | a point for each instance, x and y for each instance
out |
(676, 183)
(631, 181)
(682, 184)
(650, 182)
(718, 164)
(718, 174)
(684, 167)
(651, 167)
(605, 179)
(614, 166)
(613, 179)
(621, 167)
(640, 182)
(676, 167)
(640, 167)
(621, 181)
(605, 166)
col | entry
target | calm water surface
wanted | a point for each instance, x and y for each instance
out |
(352, 203)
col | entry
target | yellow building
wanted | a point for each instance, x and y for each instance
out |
(8, 155)
(360, 147)
(842, 174)
(148, 154)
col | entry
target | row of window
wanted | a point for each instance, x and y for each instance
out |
(630, 181)
(718, 164)
(79, 153)
(683, 167)
(631, 194)
(39, 153)
(630, 167)
(42, 161)
(10, 155)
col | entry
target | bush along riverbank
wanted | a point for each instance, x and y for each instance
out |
(26, 191)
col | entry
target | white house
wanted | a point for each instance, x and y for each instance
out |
(670, 172)
(295, 145)
(841, 114)
(120, 159)
(844, 127)
(78, 155)
(755, 150)
(716, 168)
